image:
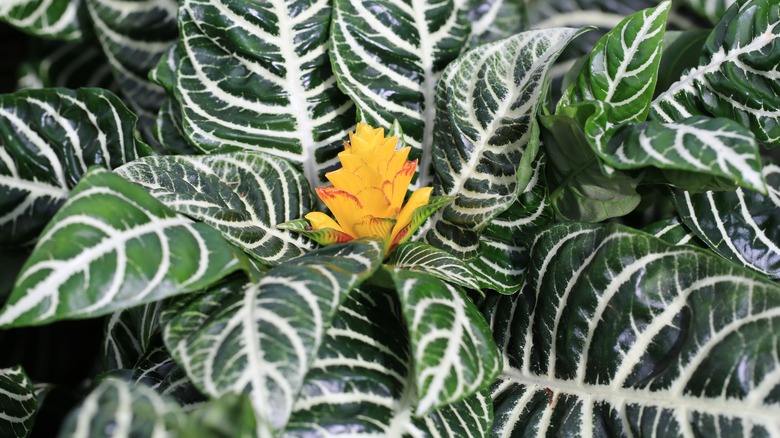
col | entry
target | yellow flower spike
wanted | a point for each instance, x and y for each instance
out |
(368, 192)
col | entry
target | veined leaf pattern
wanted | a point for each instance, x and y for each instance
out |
(416, 256)
(49, 139)
(364, 346)
(129, 334)
(622, 69)
(160, 372)
(244, 195)
(61, 19)
(130, 250)
(18, 403)
(64, 64)
(487, 136)
(452, 350)
(256, 76)
(672, 231)
(742, 226)
(736, 77)
(116, 408)
(388, 57)
(134, 34)
(268, 332)
(618, 332)
(712, 10)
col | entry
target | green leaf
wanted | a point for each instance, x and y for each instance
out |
(64, 64)
(48, 139)
(680, 53)
(256, 76)
(486, 131)
(18, 403)
(504, 242)
(113, 246)
(229, 416)
(672, 231)
(620, 333)
(361, 381)
(736, 75)
(622, 68)
(129, 334)
(116, 408)
(419, 257)
(453, 353)
(712, 10)
(742, 226)
(388, 57)
(698, 145)
(244, 195)
(267, 332)
(169, 132)
(133, 37)
(157, 369)
(60, 19)
(580, 189)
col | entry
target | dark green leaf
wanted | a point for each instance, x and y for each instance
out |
(18, 403)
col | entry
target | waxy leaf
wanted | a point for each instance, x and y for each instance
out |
(620, 333)
(453, 352)
(486, 131)
(244, 195)
(742, 226)
(672, 231)
(622, 69)
(416, 256)
(119, 409)
(129, 335)
(18, 403)
(712, 10)
(256, 76)
(388, 57)
(494, 20)
(48, 139)
(267, 333)
(60, 19)
(64, 64)
(362, 381)
(113, 246)
(157, 369)
(736, 77)
(134, 35)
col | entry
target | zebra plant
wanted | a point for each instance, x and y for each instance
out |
(326, 218)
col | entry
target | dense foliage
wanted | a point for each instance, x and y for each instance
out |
(600, 254)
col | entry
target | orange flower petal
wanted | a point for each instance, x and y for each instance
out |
(401, 182)
(375, 226)
(419, 198)
(320, 221)
(345, 206)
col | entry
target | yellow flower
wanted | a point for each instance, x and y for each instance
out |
(368, 192)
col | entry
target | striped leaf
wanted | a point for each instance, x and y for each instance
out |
(157, 369)
(129, 334)
(365, 348)
(736, 77)
(690, 152)
(256, 76)
(119, 409)
(49, 139)
(486, 133)
(388, 57)
(113, 246)
(453, 353)
(134, 34)
(742, 226)
(620, 333)
(712, 10)
(261, 339)
(64, 64)
(18, 403)
(60, 19)
(244, 195)
(419, 257)
(673, 231)
(622, 69)
(504, 242)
